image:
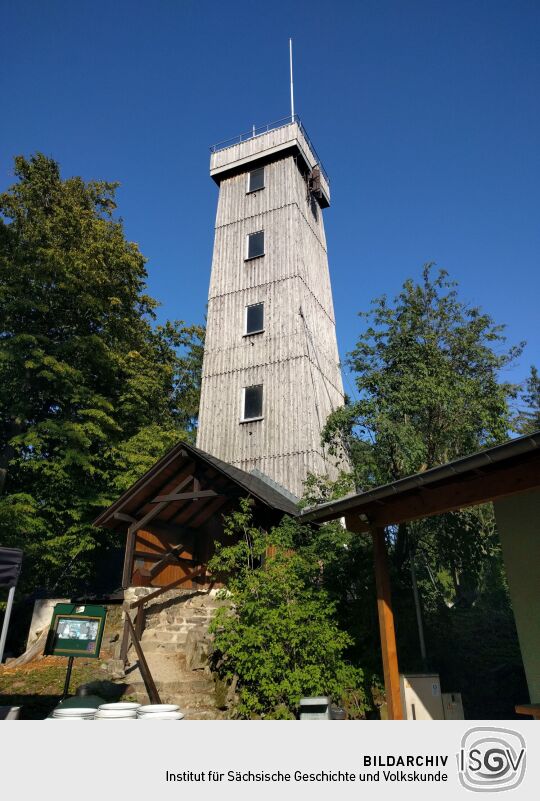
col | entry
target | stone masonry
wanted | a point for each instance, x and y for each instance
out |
(176, 644)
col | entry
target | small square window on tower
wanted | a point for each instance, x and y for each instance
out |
(252, 404)
(255, 180)
(255, 318)
(255, 245)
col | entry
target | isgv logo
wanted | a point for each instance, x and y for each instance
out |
(491, 759)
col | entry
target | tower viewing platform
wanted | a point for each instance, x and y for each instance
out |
(265, 144)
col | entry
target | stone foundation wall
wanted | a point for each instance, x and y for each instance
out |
(176, 643)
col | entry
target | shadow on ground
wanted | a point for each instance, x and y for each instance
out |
(33, 707)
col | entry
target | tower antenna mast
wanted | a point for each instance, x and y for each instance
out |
(292, 83)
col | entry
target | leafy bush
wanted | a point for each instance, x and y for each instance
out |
(278, 640)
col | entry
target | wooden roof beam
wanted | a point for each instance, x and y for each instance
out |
(185, 496)
(143, 482)
(205, 512)
(448, 497)
(124, 518)
(183, 479)
(187, 511)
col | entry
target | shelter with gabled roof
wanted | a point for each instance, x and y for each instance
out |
(173, 514)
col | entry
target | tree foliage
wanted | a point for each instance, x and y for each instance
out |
(427, 372)
(91, 390)
(427, 369)
(278, 638)
(528, 417)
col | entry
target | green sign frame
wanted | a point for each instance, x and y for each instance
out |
(76, 630)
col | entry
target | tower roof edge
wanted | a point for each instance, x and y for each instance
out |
(243, 152)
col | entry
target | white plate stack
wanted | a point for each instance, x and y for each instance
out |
(159, 712)
(123, 710)
(73, 713)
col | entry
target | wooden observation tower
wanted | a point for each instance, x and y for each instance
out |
(271, 372)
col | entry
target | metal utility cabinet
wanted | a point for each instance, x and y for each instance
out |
(421, 696)
(315, 708)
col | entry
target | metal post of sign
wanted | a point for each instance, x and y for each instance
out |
(68, 677)
(5, 624)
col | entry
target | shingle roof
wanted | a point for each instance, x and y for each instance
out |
(265, 489)
(163, 472)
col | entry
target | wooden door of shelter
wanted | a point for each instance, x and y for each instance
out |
(163, 556)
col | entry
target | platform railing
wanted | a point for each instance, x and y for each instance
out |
(260, 130)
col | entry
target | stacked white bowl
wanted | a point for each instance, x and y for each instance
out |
(73, 713)
(122, 710)
(159, 712)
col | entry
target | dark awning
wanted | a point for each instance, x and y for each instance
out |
(10, 566)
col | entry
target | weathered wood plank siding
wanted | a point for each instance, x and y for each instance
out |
(295, 358)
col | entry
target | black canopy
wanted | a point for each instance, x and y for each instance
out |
(10, 566)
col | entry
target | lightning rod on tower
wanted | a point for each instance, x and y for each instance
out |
(292, 83)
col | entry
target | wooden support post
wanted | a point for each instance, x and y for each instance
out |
(128, 558)
(386, 626)
(124, 645)
(68, 677)
(144, 670)
(140, 621)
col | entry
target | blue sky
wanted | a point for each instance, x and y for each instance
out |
(425, 114)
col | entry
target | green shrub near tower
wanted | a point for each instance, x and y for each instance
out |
(278, 640)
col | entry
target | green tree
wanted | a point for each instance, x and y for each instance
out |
(278, 638)
(427, 372)
(427, 368)
(91, 390)
(528, 418)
